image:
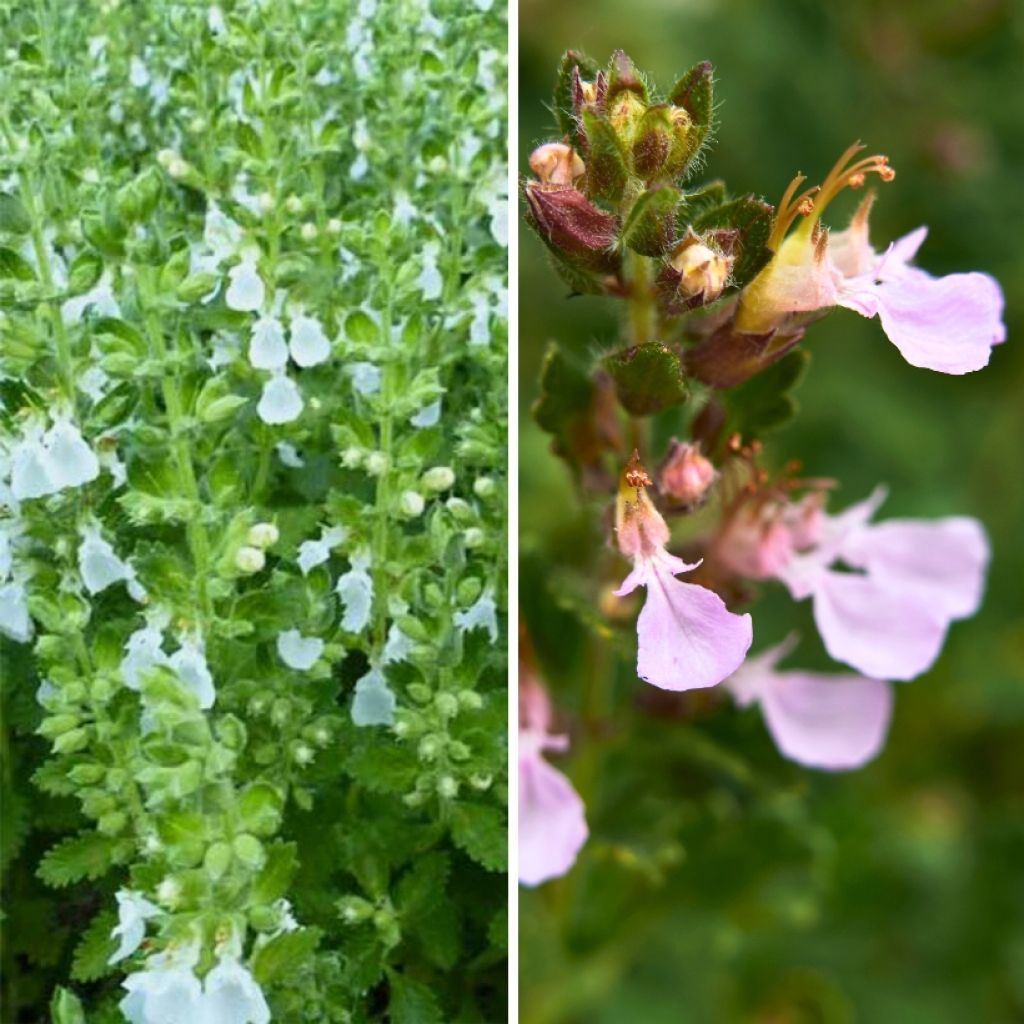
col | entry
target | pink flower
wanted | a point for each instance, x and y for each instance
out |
(833, 722)
(888, 617)
(949, 324)
(686, 475)
(552, 819)
(687, 638)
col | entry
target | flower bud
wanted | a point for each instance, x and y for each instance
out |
(168, 892)
(263, 535)
(112, 823)
(293, 204)
(461, 510)
(265, 201)
(698, 271)
(686, 474)
(352, 457)
(458, 751)
(308, 231)
(334, 226)
(411, 504)
(484, 487)
(249, 559)
(447, 787)
(429, 748)
(249, 850)
(354, 909)
(217, 860)
(470, 700)
(438, 478)
(555, 163)
(474, 538)
(376, 463)
(447, 705)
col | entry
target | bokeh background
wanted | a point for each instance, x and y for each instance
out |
(722, 884)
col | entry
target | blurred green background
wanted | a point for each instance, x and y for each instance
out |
(721, 883)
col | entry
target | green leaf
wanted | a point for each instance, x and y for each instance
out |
(481, 830)
(66, 1007)
(88, 855)
(282, 955)
(412, 1002)
(497, 930)
(15, 266)
(273, 881)
(752, 217)
(94, 949)
(383, 768)
(84, 272)
(607, 171)
(650, 228)
(13, 217)
(359, 326)
(694, 92)
(648, 378)
(764, 402)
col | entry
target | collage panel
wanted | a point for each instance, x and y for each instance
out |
(769, 569)
(253, 511)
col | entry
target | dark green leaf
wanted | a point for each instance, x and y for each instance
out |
(764, 402)
(15, 266)
(648, 378)
(481, 830)
(84, 272)
(283, 954)
(88, 855)
(13, 217)
(650, 228)
(95, 948)
(752, 217)
(411, 1002)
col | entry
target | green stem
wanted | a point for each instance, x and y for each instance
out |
(198, 540)
(642, 308)
(383, 495)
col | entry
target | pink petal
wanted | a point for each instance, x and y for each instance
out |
(940, 563)
(834, 722)
(687, 638)
(884, 633)
(552, 821)
(948, 324)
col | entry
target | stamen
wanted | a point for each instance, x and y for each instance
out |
(790, 207)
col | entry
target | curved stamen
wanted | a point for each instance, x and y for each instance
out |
(790, 207)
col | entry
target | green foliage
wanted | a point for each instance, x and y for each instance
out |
(342, 491)
(765, 402)
(648, 378)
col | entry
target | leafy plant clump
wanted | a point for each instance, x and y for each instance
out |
(253, 348)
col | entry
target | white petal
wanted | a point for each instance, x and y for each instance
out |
(297, 651)
(365, 377)
(99, 565)
(373, 703)
(267, 347)
(232, 996)
(397, 647)
(355, 588)
(308, 343)
(189, 662)
(70, 462)
(14, 618)
(482, 615)
(288, 455)
(281, 401)
(246, 291)
(30, 476)
(428, 416)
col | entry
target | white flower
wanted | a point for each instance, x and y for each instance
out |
(308, 343)
(98, 563)
(138, 73)
(232, 996)
(143, 651)
(93, 383)
(482, 615)
(373, 703)
(15, 621)
(267, 348)
(281, 401)
(221, 235)
(289, 455)
(397, 647)
(100, 299)
(189, 662)
(71, 462)
(359, 168)
(215, 21)
(355, 588)
(29, 474)
(430, 281)
(166, 992)
(246, 291)
(428, 416)
(316, 552)
(297, 651)
(498, 210)
(365, 377)
(133, 911)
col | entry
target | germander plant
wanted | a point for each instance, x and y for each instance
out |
(252, 506)
(667, 435)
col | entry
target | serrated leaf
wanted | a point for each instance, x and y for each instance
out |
(283, 954)
(14, 218)
(383, 767)
(764, 402)
(607, 171)
(88, 855)
(752, 217)
(648, 378)
(650, 228)
(412, 1002)
(481, 831)
(421, 889)
(95, 948)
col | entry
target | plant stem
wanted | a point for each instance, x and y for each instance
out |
(382, 498)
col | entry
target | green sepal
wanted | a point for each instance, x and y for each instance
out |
(694, 92)
(650, 228)
(765, 403)
(607, 169)
(752, 218)
(648, 378)
(562, 100)
(623, 76)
